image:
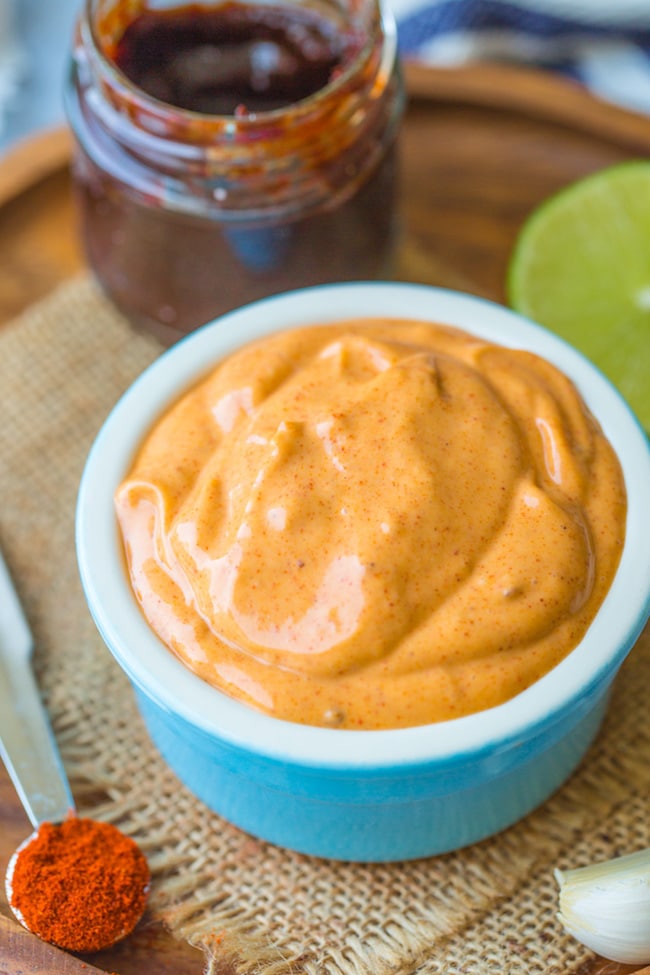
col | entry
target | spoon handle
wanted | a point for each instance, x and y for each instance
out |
(27, 745)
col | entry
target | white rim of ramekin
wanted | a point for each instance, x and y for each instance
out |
(159, 674)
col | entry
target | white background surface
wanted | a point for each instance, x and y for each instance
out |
(41, 31)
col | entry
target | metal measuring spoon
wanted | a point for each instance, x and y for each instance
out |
(28, 748)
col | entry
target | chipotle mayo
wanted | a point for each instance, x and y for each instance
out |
(374, 524)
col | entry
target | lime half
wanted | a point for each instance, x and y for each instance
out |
(581, 267)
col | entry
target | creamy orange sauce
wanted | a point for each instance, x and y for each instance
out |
(375, 524)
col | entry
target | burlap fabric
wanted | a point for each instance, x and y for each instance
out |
(258, 909)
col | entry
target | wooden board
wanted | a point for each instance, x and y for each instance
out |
(480, 148)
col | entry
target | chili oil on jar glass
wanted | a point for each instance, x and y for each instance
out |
(225, 152)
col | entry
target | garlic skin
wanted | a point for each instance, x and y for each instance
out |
(606, 906)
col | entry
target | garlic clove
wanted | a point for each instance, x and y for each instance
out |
(606, 906)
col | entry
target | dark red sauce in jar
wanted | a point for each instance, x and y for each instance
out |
(230, 151)
(234, 58)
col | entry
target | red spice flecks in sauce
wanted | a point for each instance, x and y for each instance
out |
(233, 57)
(374, 524)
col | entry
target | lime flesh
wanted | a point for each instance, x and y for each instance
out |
(581, 267)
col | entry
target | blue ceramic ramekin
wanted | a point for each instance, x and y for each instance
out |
(354, 795)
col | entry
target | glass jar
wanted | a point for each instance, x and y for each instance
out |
(185, 215)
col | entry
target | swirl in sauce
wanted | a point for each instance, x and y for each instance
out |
(374, 524)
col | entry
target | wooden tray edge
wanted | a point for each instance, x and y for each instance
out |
(533, 93)
(33, 159)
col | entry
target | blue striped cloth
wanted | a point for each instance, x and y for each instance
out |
(604, 44)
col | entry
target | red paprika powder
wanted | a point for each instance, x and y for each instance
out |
(81, 885)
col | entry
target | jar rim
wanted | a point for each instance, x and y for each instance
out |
(383, 26)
